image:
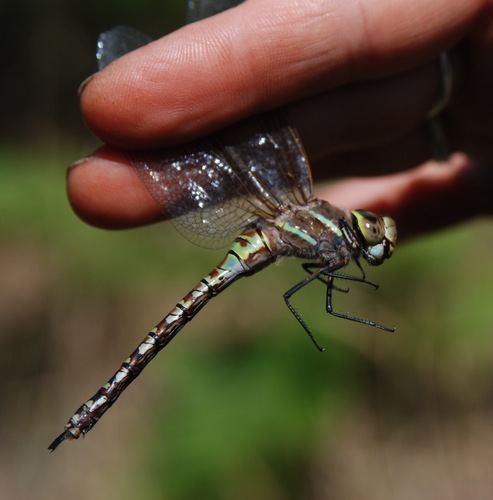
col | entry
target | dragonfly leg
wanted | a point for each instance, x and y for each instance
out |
(328, 278)
(309, 268)
(329, 308)
(296, 314)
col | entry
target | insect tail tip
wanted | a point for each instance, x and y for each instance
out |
(54, 445)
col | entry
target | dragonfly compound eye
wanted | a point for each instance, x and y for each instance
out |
(390, 230)
(370, 225)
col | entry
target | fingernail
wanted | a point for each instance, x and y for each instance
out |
(76, 163)
(83, 85)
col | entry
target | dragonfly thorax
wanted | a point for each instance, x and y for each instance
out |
(313, 231)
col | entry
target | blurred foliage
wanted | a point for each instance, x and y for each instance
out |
(241, 405)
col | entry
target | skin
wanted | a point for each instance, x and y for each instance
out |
(358, 78)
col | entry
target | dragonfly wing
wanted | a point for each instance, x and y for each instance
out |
(272, 155)
(205, 195)
(200, 9)
(213, 188)
(117, 42)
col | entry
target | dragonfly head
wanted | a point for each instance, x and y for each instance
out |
(377, 235)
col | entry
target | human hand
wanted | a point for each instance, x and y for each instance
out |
(358, 79)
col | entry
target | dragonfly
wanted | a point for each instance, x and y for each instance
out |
(250, 183)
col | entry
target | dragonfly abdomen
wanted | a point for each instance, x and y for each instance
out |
(249, 253)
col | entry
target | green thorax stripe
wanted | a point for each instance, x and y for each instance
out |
(329, 222)
(304, 235)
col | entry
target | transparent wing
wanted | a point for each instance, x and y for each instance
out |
(269, 152)
(200, 9)
(197, 188)
(215, 187)
(117, 42)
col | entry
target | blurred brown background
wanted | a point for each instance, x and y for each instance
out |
(241, 405)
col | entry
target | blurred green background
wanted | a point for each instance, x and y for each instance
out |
(241, 405)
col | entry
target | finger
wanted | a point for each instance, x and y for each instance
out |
(363, 116)
(104, 191)
(260, 55)
(395, 155)
(332, 127)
